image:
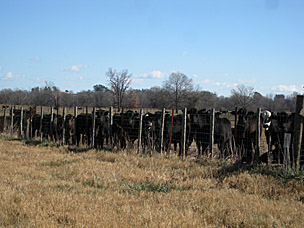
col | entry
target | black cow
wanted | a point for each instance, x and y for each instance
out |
(223, 136)
(125, 128)
(246, 129)
(177, 128)
(278, 124)
(84, 128)
(102, 128)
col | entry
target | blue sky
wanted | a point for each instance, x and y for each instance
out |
(217, 43)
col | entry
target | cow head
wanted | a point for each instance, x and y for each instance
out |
(266, 119)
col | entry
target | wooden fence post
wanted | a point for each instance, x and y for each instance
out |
(12, 121)
(258, 135)
(63, 125)
(184, 132)
(171, 129)
(75, 127)
(162, 125)
(57, 125)
(4, 121)
(41, 122)
(121, 125)
(26, 135)
(93, 126)
(30, 124)
(21, 123)
(52, 123)
(298, 128)
(110, 123)
(140, 131)
(86, 127)
(212, 117)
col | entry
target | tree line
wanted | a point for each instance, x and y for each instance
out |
(177, 92)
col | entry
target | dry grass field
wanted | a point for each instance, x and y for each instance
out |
(49, 186)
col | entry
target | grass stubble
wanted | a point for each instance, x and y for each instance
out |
(51, 187)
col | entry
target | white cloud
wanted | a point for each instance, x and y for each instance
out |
(185, 53)
(11, 76)
(288, 88)
(195, 76)
(0, 67)
(227, 75)
(35, 59)
(75, 78)
(153, 74)
(137, 80)
(74, 68)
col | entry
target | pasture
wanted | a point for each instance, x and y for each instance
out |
(49, 186)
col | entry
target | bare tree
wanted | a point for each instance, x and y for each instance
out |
(243, 96)
(178, 85)
(119, 82)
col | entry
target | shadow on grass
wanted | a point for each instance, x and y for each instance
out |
(275, 170)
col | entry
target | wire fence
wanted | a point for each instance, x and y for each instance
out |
(238, 134)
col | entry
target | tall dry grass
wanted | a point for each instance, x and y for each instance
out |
(52, 187)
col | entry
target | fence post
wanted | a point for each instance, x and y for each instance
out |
(4, 121)
(93, 126)
(110, 123)
(140, 131)
(298, 128)
(121, 125)
(75, 127)
(63, 125)
(162, 125)
(57, 125)
(52, 123)
(212, 115)
(258, 135)
(12, 121)
(184, 132)
(171, 129)
(87, 130)
(26, 134)
(30, 124)
(21, 123)
(41, 122)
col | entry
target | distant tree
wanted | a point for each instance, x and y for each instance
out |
(100, 87)
(243, 96)
(178, 85)
(119, 82)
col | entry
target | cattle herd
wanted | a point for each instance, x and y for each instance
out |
(233, 134)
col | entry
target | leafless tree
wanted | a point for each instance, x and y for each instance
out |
(243, 96)
(178, 84)
(119, 83)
